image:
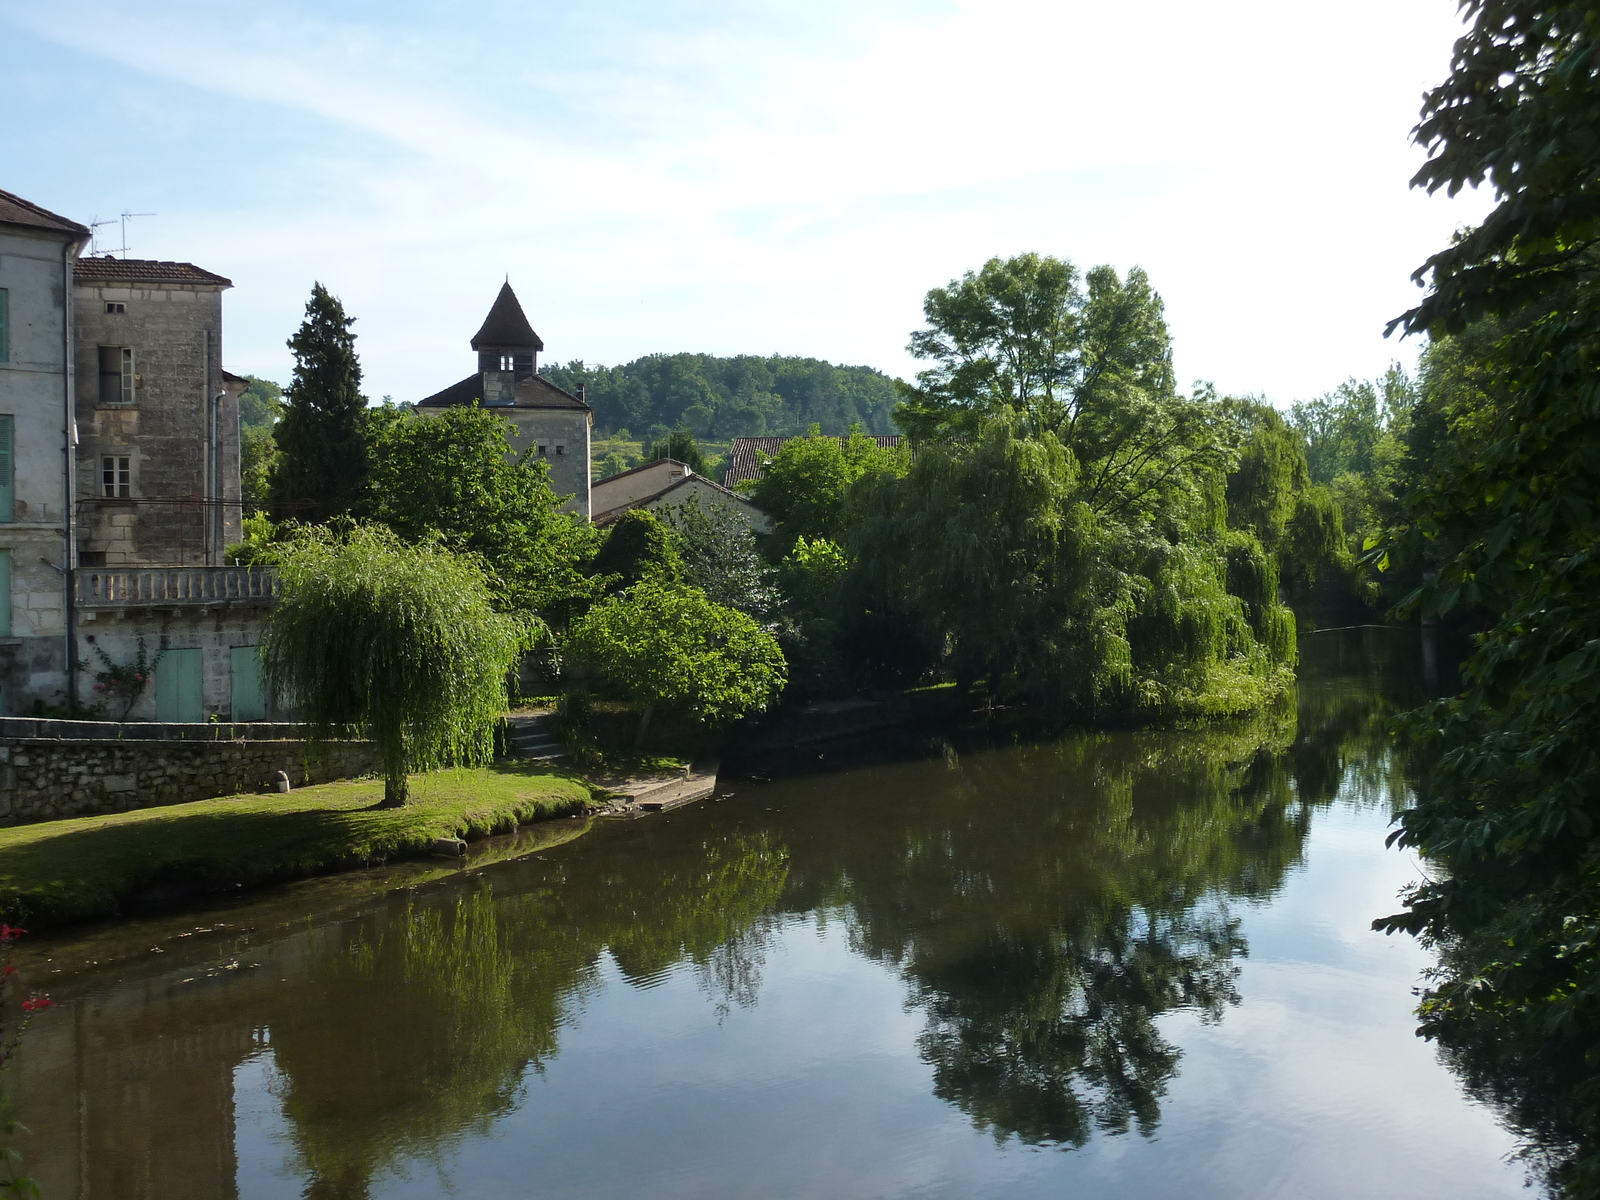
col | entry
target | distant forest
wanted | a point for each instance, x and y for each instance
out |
(721, 398)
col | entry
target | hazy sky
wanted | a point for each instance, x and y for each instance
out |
(746, 177)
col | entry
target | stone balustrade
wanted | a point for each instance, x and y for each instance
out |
(173, 587)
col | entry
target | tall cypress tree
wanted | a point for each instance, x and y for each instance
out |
(322, 446)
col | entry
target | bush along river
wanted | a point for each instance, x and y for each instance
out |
(1106, 964)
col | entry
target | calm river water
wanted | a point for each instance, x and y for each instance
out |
(1102, 965)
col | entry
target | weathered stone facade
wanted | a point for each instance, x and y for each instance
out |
(158, 418)
(50, 770)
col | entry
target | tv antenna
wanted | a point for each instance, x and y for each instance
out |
(122, 222)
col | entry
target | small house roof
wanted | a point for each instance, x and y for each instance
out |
(506, 327)
(681, 476)
(14, 210)
(105, 269)
(748, 456)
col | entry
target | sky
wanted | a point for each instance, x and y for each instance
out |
(748, 177)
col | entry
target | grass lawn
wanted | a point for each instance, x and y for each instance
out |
(56, 872)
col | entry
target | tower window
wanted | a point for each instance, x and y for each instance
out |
(116, 306)
(508, 362)
(116, 476)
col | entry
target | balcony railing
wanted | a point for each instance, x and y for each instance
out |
(163, 586)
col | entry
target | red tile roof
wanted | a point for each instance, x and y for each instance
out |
(105, 269)
(748, 456)
(14, 210)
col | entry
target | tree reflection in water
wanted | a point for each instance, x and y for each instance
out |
(1044, 903)
(415, 1028)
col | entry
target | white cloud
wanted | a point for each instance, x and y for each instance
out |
(787, 177)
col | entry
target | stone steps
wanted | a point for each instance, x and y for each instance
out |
(533, 738)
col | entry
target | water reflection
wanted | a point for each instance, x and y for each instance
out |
(1045, 905)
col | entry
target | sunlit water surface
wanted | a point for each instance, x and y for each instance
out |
(1118, 965)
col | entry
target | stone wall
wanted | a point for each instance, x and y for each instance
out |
(55, 769)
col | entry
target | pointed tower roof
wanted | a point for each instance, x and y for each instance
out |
(506, 327)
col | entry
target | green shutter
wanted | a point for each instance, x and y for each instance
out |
(8, 431)
(5, 593)
(178, 687)
(5, 325)
(249, 697)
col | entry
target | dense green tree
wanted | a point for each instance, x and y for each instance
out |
(456, 476)
(1509, 810)
(803, 487)
(995, 555)
(369, 631)
(321, 438)
(1271, 496)
(677, 444)
(638, 546)
(667, 646)
(719, 555)
(1087, 360)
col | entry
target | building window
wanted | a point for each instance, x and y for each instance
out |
(5, 324)
(8, 458)
(117, 379)
(542, 451)
(116, 306)
(560, 449)
(507, 362)
(116, 476)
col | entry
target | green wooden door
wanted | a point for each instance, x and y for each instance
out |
(178, 687)
(249, 697)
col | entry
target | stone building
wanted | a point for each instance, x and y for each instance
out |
(158, 418)
(37, 251)
(551, 422)
(119, 481)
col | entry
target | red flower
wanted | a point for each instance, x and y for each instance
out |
(10, 933)
(37, 1004)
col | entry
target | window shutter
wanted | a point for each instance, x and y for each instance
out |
(8, 425)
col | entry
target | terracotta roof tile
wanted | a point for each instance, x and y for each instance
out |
(104, 269)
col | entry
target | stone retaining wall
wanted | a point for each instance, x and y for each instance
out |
(71, 772)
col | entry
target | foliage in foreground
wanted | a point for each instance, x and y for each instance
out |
(1509, 810)
(370, 631)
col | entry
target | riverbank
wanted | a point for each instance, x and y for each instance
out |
(58, 872)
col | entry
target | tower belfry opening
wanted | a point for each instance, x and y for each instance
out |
(506, 344)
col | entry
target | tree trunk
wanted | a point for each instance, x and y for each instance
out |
(644, 726)
(396, 789)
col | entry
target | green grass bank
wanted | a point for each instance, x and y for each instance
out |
(58, 872)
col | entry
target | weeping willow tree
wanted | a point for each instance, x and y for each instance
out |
(370, 631)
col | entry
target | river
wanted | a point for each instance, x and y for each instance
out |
(1110, 964)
